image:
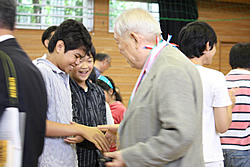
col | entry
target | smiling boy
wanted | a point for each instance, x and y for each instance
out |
(68, 45)
(88, 102)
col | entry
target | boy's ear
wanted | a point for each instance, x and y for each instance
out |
(46, 43)
(60, 47)
(207, 47)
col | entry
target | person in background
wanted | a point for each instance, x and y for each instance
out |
(88, 102)
(92, 76)
(47, 34)
(31, 91)
(236, 140)
(117, 96)
(197, 40)
(163, 122)
(67, 47)
(117, 108)
(110, 120)
(102, 63)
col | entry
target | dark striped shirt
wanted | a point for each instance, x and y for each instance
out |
(88, 109)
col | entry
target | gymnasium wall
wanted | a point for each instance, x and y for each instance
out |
(228, 32)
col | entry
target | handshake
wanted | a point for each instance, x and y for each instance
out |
(95, 135)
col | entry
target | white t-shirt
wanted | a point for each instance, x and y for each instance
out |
(110, 120)
(215, 94)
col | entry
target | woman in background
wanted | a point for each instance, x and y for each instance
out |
(117, 108)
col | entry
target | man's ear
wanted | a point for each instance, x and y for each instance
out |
(60, 47)
(104, 62)
(136, 39)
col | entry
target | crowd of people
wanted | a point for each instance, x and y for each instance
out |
(180, 113)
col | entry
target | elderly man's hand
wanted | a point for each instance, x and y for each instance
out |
(111, 132)
(117, 159)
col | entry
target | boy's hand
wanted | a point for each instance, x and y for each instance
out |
(74, 140)
(94, 135)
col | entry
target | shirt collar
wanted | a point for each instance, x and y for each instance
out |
(5, 37)
(51, 65)
(77, 87)
(240, 71)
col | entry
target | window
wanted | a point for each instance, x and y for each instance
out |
(40, 14)
(117, 7)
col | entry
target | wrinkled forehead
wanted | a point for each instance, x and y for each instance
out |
(116, 35)
(121, 38)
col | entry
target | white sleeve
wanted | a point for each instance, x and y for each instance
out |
(110, 120)
(221, 95)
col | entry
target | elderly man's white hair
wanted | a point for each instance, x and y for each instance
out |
(139, 21)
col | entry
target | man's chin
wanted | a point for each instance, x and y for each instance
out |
(131, 65)
(134, 66)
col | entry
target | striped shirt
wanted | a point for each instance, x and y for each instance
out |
(57, 152)
(88, 109)
(238, 135)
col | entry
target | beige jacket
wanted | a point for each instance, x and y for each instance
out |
(163, 123)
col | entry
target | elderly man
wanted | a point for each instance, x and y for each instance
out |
(102, 63)
(162, 125)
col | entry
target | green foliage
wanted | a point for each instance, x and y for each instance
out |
(117, 7)
(27, 7)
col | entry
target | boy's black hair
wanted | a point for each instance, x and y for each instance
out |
(92, 76)
(193, 38)
(7, 14)
(74, 35)
(92, 52)
(239, 56)
(47, 33)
